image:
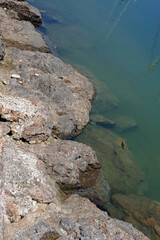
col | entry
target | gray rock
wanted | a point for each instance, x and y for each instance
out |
(21, 34)
(66, 162)
(78, 219)
(51, 89)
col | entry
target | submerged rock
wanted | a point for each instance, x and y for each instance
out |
(124, 124)
(118, 165)
(141, 211)
(102, 121)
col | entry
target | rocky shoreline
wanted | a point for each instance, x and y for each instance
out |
(44, 102)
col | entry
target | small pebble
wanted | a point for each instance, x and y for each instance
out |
(5, 82)
(36, 74)
(15, 76)
(20, 81)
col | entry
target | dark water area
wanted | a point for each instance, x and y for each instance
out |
(116, 44)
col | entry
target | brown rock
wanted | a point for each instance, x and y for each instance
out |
(24, 10)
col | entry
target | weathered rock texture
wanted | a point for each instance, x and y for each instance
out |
(50, 98)
(24, 11)
(43, 101)
(20, 34)
(71, 221)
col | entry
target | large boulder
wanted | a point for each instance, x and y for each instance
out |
(47, 97)
(74, 167)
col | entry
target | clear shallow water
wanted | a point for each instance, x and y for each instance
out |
(119, 43)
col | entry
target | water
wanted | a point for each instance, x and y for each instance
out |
(117, 42)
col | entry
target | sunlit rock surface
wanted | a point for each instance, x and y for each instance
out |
(20, 34)
(24, 11)
(60, 96)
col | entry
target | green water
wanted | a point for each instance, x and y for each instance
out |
(117, 44)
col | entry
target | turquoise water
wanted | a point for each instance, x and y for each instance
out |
(119, 43)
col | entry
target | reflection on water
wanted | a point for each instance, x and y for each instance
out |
(155, 52)
(118, 18)
(125, 106)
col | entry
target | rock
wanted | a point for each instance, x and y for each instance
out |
(71, 165)
(65, 161)
(24, 184)
(2, 49)
(21, 34)
(141, 211)
(102, 121)
(78, 219)
(15, 76)
(33, 173)
(49, 100)
(24, 10)
(74, 167)
(124, 124)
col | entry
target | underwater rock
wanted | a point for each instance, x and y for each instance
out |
(102, 121)
(141, 211)
(124, 124)
(118, 165)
